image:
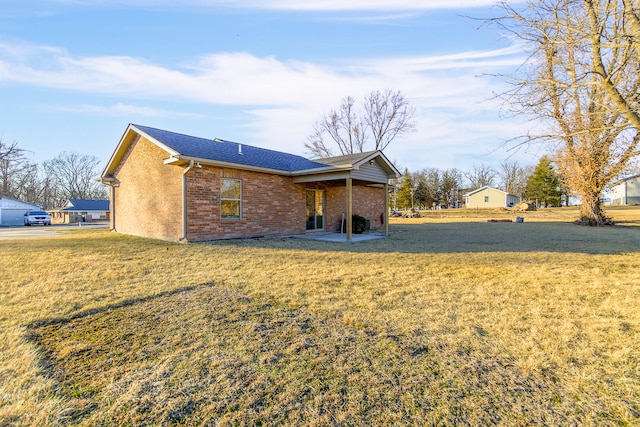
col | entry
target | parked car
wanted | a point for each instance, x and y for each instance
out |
(37, 217)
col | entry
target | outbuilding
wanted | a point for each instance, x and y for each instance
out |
(12, 211)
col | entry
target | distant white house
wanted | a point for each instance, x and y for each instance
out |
(626, 191)
(12, 211)
(488, 197)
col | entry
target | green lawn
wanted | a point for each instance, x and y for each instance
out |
(452, 320)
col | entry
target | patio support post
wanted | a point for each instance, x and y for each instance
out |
(386, 210)
(349, 209)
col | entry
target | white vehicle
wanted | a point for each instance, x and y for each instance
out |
(37, 217)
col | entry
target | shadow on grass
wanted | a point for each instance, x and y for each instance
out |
(110, 307)
(211, 355)
(475, 237)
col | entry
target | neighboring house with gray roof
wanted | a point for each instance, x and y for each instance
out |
(81, 210)
(488, 197)
(172, 186)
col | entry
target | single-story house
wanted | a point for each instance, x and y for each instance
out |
(626, 191)
(81, 210)
(177, 187)
(12, 210)
(488, 197)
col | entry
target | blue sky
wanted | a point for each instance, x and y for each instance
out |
(74, 73)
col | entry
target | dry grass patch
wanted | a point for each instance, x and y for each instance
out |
(213, 355)
(623, 215)
(468, 323)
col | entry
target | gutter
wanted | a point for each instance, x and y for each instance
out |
(184, 201)
(177, 158)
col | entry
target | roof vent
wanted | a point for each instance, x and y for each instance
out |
(240, 149)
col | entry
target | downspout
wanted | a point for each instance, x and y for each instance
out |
(112, 207)
(184, 200)
(349, 209)
(626, 193)
(386, 209)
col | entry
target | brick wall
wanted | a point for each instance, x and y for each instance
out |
(148, 200)
(271, 205)
(367, 202)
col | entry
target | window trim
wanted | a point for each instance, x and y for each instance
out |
(238, 200)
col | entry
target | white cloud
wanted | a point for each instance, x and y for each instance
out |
(119, 110)
(282, 99)
(245, 79)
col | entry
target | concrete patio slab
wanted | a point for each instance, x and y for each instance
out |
(338, 237)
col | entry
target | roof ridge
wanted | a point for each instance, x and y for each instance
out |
(219, 149)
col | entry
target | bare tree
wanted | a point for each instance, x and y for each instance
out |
(72, 175)
(14, 169)
(342, 127)
(581, 82)
(451, 187)
(433, 186)
(386, 116)
(514, 177)
(481, 176)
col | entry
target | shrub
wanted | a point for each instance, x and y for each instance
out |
(359, 224)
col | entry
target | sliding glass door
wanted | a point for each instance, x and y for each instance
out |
(315, 210)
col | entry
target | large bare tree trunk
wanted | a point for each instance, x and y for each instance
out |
(581, 83)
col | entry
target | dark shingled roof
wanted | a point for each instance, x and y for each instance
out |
(86, 205)
(230, 152)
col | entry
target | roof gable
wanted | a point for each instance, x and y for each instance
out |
(11, 203)
(486, 188)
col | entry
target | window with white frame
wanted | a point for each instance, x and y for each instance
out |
(230, 198)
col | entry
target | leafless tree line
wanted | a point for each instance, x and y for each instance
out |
(51, 183)
(446, 188)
